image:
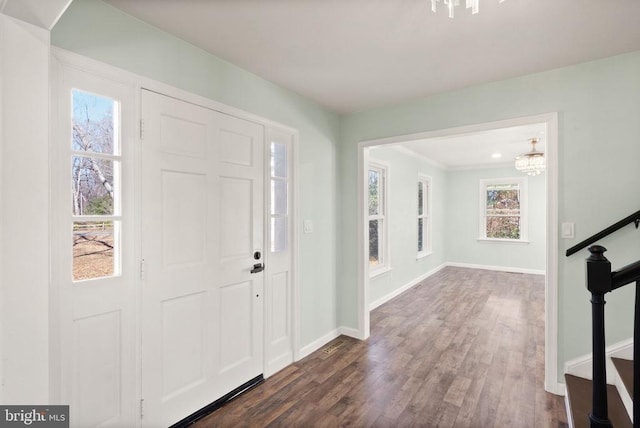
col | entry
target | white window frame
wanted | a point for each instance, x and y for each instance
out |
(425, 216)
(522, 182)
(287, 182)
(117, 158)
(383, 217)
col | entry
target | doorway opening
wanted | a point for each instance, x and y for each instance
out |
(548, 122)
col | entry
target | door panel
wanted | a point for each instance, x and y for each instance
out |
(98, 368)
(183, 344)
(202, 219)
(236, 218)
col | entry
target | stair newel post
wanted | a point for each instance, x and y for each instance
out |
(598, 283)
(636, 358)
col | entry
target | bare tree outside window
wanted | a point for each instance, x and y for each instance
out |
(94, 170)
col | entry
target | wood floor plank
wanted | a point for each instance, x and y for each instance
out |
(464, 348)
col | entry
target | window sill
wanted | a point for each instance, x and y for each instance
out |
(378, 272)
(423, 255)
(505, 241)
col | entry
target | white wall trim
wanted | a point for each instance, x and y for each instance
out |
(405, 287)
(551, 382)
(582, 367)
(2, 138)
(310, 348)
(551, 279)
(348, 331)
(497, 268)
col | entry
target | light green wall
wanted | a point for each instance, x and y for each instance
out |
(463, 219)
(599, 148)
(402, 208)
(97, 30)
(455, 204)
(599, 130)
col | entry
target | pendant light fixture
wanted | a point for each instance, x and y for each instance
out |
(532, 163)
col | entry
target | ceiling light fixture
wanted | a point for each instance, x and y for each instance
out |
(451, 4)
(533, 162)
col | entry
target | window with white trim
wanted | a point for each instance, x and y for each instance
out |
(503, 209)
(378, 242)
(95, 173)
(279, 198)
(424, 215)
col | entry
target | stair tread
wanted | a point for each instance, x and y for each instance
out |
(625, 371)
(579, 391)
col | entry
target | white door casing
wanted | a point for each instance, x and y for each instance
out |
(202, 211)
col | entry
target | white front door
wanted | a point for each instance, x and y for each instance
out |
(202, 236)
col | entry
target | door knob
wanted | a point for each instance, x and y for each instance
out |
(258, 267)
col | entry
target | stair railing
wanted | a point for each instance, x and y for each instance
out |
(633, 218)
(601, 280)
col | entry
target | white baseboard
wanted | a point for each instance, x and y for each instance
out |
(351, 332)
(402, 289)
(582, 366)
(318, 343)
(497, 268)
(556, 388)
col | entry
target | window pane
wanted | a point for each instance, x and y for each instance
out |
(374, 192)
(95, 121)
(420, 198)
(503, 227)
(505, 202)
(279, 229)
(374, 243)
(93, 185)
(420, 234)
(278, 197)
(93, 249)
(278, 160)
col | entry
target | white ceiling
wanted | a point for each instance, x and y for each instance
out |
(350, 55)
(475, 150)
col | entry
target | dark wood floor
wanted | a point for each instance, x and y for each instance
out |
(465, 348)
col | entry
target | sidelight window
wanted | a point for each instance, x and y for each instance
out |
(279, 198)
(95, 174)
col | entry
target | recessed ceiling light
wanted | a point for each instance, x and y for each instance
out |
(496, 155)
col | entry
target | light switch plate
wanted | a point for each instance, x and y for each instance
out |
(568, 230)
(307, 226)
